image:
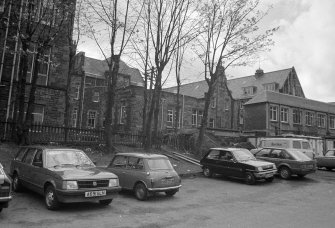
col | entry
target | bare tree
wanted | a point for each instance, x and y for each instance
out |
(231, 38)
(114, 19)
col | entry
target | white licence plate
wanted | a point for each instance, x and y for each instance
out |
(95, 193)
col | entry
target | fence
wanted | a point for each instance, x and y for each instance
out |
(44, 134)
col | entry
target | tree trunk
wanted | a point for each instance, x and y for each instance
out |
(178, 106)
(148, 133)
(157, 98)
(110, 100)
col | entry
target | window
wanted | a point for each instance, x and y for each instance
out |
(211, 123)
(76, 91)
(332, 122)
(263, 153)
(91, 116)
(241, 104)
(214, 154)
(29, 156)
(170, 118)
(20, 154)
(74, 117)
(296, 116)
(119, 162)
(309, 117)
(251, 90)
(284, 115)
(213, 102)
(38, 114)
(274, 113)
(2, 6)
(123, 114)
(38, 156)
(96, 97)
(275, 154)
(194, 117)
(46, 12)
(241, 119)
(200, 115)
(270, 87)
(321, 120)
(43, 66)
(296, 145)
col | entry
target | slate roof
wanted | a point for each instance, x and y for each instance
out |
(290, 100)
(198, 89)
(97, 68)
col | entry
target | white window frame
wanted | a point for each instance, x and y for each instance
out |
(30, 73)
(194, 117)
(298, 113)
(331, 122)
(211, 123)
(309, 118)
(40, 114)
(74, 117)
(169, 119)
(284, 114)
(91, 113)
(321, 120)
(269, 87)
(273, 113)
(200, 116)
(96, 97)
(248, 90)
(76, 92)
(123, 114)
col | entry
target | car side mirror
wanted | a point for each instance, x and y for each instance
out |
(38, 164)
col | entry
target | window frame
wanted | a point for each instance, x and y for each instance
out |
(284, 112)
(88, 123)
(331, 122)
(309, 118)
(273, 113)
(297, 114)
(194, 121)
(321, 119)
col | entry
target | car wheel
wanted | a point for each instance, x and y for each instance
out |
(207, 172)
(284, 172)
(105, 202)
(269, 179)
(171, 193)
(17, 186)
(250, 178)
(141, 191)
(50, 198)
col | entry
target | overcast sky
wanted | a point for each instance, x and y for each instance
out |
(305, 40)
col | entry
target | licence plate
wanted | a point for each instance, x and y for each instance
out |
(95, 193)
(268, 175)
(167, 181)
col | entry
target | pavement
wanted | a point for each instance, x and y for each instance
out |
(102, 158)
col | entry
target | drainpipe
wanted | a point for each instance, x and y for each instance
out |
(82, 101)
(182, 114)
(5, 42)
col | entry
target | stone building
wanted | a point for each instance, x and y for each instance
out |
(49, 107)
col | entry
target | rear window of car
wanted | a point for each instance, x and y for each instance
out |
(213, 154)
(159, 163)
(296, 144)
(298, 155)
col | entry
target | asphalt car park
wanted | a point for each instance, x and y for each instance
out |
(201, 202)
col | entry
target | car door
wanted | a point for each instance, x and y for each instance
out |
(328, 160)
(118, 167)
(134, 171)
(232, 167)
(38, 172)
(211, 160)
(26, 167)
(275, 157)
(263, 154)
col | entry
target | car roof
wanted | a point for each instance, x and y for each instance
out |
(142, 155)
(227, 148)
(49, 147)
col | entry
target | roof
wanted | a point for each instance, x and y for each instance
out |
(290, 100)
(142, 155)
(97, 68)
(236, 85)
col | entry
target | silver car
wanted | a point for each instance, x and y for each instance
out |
(145, 174)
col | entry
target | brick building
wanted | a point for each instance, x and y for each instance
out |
(49, 107)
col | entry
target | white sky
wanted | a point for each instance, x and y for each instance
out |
(305, 40)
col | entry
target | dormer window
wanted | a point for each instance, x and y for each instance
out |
(270, 86)
(251, 90)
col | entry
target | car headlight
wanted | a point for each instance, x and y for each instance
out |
(70, 185)
(258, 169)
(113, 182)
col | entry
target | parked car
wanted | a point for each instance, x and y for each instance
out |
(62, 175)
(288, 161)
(299, 144)
(237, 163)
(327, 161)
(145, 174)
(5, 189)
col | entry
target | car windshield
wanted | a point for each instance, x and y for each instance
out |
(299, 156)
(67, 157)
(243, 155)
(159, 164)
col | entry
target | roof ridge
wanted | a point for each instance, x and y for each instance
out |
(264, 73)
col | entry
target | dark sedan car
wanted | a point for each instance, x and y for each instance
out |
(237, 163)
(62, 175)
(5, 189)
(288, 161)
(327, 161)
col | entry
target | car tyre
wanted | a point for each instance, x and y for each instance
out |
(250, 178)
(207, 172)
(285, 172)
(50, 198)
(171, 192)
(17, 186)
(269, 179)
(105, 202)
(141, 192)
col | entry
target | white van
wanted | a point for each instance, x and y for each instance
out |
(302, 145)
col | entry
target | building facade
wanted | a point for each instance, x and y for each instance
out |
(49, 106)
